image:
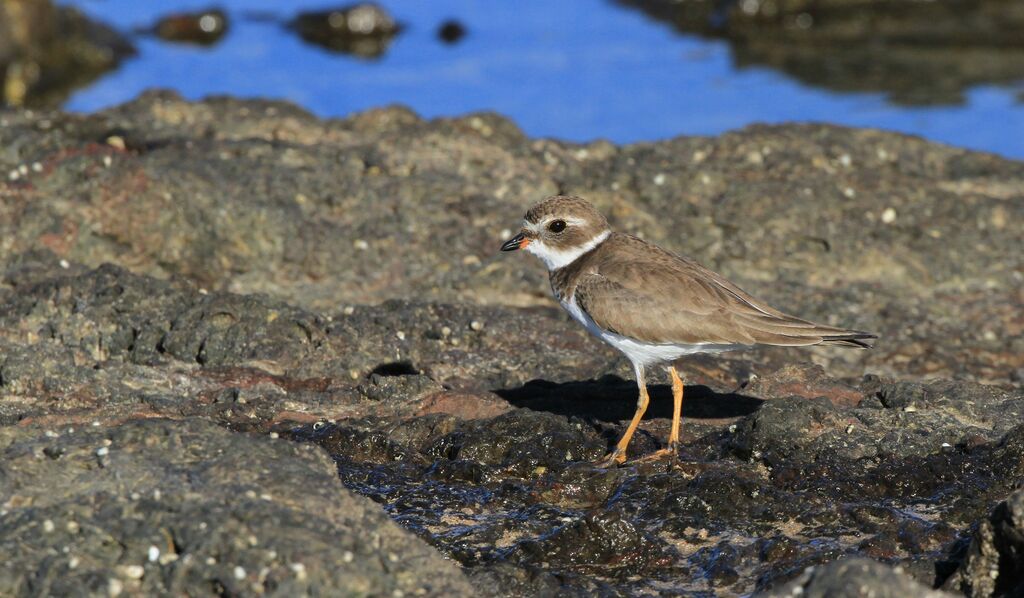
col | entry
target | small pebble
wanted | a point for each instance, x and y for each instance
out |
(400, 335)
(476, 325)
(889, 216)
(134, 571)
(102, 451)
(659, 179)
(114, 587)
(153, 554)
(347, 556)
(239, 573)
(299, 569)
(349, 310)
(361, 245)
(275, 435)
(73, 562)
(446, 331)
(48, 526)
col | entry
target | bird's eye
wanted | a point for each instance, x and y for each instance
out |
(557, 226)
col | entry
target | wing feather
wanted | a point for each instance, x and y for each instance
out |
(666, 299)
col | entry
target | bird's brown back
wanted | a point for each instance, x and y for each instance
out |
(638, 290)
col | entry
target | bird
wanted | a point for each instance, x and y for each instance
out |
(652, 305)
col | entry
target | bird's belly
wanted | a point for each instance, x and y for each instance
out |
(640, 352)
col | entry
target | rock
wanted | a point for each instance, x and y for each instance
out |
(254, 273)
(994, 563)
(365, 29)
(918, 53)
(47, 51)
(854, 577)
(204, 28)
(338, 217)
(451, 31)
(161, 507)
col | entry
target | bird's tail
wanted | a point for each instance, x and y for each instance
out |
(850, 338)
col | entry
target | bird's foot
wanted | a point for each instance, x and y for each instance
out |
(613, 459)
(668, 453)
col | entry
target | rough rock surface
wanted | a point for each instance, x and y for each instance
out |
(858, 227)
(854, 578)
(238, 270)
(994, 565)
(163, 507)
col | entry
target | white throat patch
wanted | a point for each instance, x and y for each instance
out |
(560, 258)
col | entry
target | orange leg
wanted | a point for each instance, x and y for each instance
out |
(618, 455)
(677, 407)
(677, 416)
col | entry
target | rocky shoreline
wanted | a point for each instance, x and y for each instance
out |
(209, 309)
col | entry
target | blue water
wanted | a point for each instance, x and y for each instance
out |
(576, 70)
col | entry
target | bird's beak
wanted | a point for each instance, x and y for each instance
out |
(517, 242)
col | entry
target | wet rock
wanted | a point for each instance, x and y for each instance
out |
(205, 27)
(918, 53)
(162, 507)
(994, 563)
(854, 577)
(365, 30)
(603, 539)
(47, 51)
(451, 31)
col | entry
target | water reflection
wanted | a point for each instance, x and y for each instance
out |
(918, 53)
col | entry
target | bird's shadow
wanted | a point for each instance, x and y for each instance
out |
(613, 399)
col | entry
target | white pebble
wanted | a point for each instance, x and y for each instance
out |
(349, 310)
(347, 556)
(37, 167)
(400, 335)
(114, 587)
(659, 179)
(849, 192)
(107, 161)
(239, 573)
(73, 562)
(889, 216)
(845, 160)
(102, 451)
(361, 245)
(134, 571)
(476, 325)
(275, 435)
(153, 554)
(48, 526)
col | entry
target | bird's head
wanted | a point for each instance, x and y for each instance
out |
(560, 229)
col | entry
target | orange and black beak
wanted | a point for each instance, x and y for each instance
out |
(519, 241)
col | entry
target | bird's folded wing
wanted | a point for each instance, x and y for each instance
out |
(684, 303)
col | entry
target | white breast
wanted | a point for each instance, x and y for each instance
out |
(639, 352)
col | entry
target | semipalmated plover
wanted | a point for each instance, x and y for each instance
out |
(650, 304)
